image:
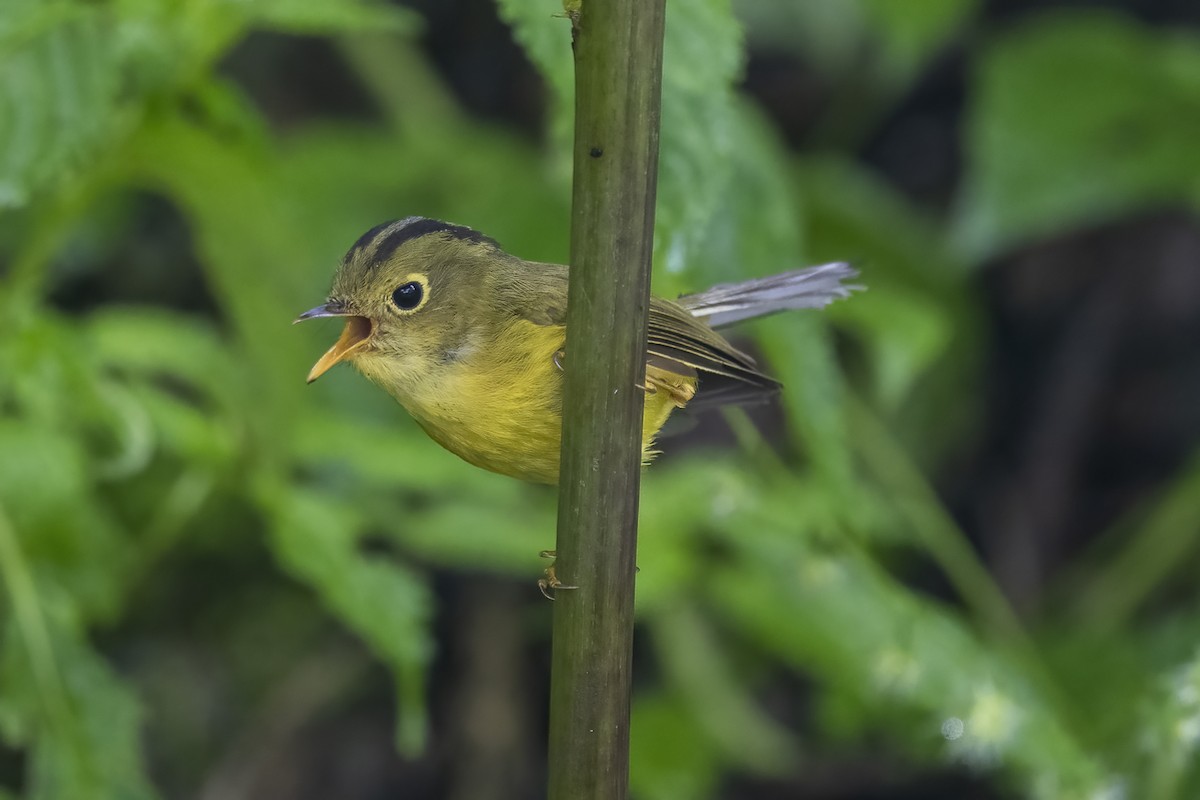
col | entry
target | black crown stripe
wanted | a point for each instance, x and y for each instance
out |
(389, 243)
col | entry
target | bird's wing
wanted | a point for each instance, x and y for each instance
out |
(677, 341)
(680, 343)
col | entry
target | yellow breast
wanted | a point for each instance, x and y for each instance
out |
(499, 405)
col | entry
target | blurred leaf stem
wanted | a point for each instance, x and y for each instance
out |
(916, 500)
(698, 664)
(1112, 591)
(28, 270)
(413, 105)
(935, 530)
(178, 506)
(31, 624)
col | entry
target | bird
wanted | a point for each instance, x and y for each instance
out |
(469, 339)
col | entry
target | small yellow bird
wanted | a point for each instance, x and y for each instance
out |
(469, 339)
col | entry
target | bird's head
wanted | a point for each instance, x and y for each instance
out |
(410, 291)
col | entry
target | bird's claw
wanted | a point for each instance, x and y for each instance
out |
(550, 584)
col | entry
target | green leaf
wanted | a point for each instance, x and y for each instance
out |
(750, 229)
(72, 74)
(544, 31)
(184, 383)
(1078, 118)
(700, 128)
(152, 341)
(701, 59)
(60, 81)
(857, 629)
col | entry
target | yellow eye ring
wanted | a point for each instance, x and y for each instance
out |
(411, 294)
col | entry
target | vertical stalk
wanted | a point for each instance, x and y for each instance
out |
(618, 71)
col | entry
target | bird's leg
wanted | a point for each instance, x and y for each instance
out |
(551, 584)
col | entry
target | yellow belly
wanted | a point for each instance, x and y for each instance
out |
(520, 440)
(501, 408)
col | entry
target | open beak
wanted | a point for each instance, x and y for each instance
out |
(354, 336)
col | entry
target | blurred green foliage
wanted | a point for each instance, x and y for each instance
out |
(127, 430)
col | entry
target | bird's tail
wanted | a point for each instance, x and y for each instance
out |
(812, 287)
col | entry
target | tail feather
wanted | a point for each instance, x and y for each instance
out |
(812, 287)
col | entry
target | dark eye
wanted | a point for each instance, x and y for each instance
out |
(408, 296)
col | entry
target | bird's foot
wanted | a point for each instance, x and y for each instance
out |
(550, 583)
(680, 394)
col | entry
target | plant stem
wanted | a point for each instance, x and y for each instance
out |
(618, 71)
